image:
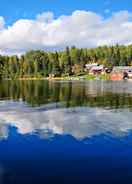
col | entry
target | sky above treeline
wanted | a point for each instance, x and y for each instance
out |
(55, 24)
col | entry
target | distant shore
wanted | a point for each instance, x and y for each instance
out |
(83, 77)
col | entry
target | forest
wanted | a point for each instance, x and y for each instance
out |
(71, 61)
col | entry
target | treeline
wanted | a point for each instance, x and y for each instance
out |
(71, 61)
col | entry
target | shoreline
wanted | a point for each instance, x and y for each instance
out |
(54, 79)
(60, 79)
(69, 78)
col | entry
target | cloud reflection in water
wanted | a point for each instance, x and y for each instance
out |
(79, 122)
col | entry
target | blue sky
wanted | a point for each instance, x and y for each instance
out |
(16, 9)
(55, 24)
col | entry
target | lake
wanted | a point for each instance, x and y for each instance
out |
(65, 132)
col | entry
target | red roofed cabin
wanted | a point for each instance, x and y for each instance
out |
(121, 72)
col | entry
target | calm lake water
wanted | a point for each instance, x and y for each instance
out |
(65, 132)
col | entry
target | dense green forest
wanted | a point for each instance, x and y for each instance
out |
(71, 61)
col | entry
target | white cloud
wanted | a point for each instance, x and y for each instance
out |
(82, 28)
(45, 17)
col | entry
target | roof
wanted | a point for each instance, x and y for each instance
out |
(91, 65)
(100, 67)
(121, 68)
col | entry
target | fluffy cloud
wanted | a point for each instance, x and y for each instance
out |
(82, 28)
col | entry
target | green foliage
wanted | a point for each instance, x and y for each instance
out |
(71, 61)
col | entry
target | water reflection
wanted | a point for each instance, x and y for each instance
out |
(79, 122)
(71, 94)
(79, 109)
(65, 132)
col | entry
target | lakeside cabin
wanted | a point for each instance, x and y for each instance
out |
(121, 72)
(95, 68)
(117, 73)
